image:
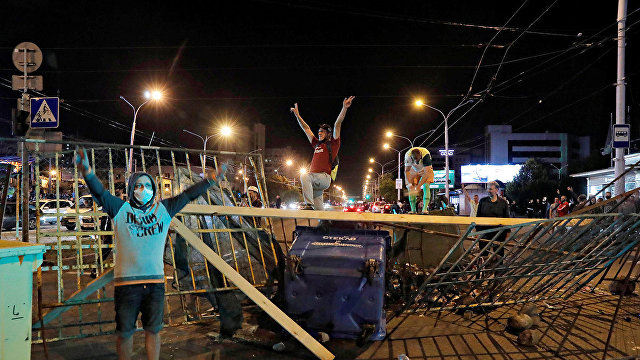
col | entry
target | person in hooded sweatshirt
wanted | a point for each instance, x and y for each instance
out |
(140, 229)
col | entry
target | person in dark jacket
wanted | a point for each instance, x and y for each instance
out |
(493, 206)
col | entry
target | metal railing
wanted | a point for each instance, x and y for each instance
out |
(76, 276)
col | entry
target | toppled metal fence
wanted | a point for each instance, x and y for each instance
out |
(518, 260)
(74, 281)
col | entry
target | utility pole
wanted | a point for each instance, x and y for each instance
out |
(620, 93)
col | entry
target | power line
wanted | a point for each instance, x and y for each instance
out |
(388, 16)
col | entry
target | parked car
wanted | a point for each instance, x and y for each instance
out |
(377, 206)
(48, 209)
(386, 209)
(9, 218)
(351, 208)
(85, 204)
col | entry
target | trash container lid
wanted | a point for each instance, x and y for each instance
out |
(17, 248)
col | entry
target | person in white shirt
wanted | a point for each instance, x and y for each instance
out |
(473, 204)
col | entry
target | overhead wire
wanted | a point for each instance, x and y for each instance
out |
(574, 46)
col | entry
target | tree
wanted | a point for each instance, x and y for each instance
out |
(388, 188)
(534, 181)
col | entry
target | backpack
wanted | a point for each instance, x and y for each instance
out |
(333, 165)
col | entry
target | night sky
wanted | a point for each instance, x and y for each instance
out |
(251, 60)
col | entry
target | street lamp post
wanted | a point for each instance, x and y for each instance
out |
(559, 170)
(204, 147)
(155, 95)
(446, 138)
(387, 146)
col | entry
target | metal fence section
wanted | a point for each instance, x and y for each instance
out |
(76, 275)
(506, 265)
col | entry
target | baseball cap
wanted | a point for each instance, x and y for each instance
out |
(253, 188)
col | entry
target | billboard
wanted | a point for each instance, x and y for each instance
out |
(486, 173)
(438, 179)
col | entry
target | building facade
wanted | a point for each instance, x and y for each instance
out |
(503, 146)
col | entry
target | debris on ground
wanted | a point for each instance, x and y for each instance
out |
(529, 337)
(618, 287)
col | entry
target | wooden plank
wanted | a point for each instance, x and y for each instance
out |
(291, 326)
(81, 294)
(351, 216)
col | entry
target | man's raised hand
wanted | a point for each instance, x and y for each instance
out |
(294, 109)
(218, 174)
(347, 102)
(83, 162)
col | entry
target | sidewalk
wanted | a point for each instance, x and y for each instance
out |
(452, 336)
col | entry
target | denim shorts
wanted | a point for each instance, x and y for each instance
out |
(130, 300)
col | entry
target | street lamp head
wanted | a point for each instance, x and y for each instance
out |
(389, 134)
(419, 102)
(371, 160)
(368, 176)
(370, 170)
(289, 162)
(153, 95)
(385, 146)
(303, 171)
(226, 130)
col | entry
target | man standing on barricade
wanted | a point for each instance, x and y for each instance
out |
(418, 173)
(326, 146)
(140, 228)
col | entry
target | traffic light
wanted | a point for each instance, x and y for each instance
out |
(19, 122)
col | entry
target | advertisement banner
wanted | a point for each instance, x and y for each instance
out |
(486, 173)
(438, 180)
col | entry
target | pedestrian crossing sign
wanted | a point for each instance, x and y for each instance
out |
(45, 112)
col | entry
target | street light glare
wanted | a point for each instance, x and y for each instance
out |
(370, 170)
(303, 171)
(225, 130)
(289, 162)
(153, 95)
(389, 134)
(419, 102)
(386, 146)
(371, 160)
(53, 172)
(368, 176)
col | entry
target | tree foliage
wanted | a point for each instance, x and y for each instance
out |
(388, 188)
(534, 181)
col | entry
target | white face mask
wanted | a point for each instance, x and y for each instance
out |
(143, 195)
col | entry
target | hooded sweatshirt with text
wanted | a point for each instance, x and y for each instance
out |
(140, 230)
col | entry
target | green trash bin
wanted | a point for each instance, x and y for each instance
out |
(18, 261)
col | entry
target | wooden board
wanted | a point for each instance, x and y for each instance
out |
(258, 298)
(350, 216)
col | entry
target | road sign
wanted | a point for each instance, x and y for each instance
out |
(398, 183)
(45, 112)
(33, 82)
(33, 56)
(621, 135)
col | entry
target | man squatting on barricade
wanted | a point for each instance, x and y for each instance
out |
(318, 178)
(140, 229)
(418, 174)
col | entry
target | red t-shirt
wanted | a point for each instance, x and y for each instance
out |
(563, 209)
(320, 162)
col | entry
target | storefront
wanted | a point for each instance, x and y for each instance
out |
(597, 179)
